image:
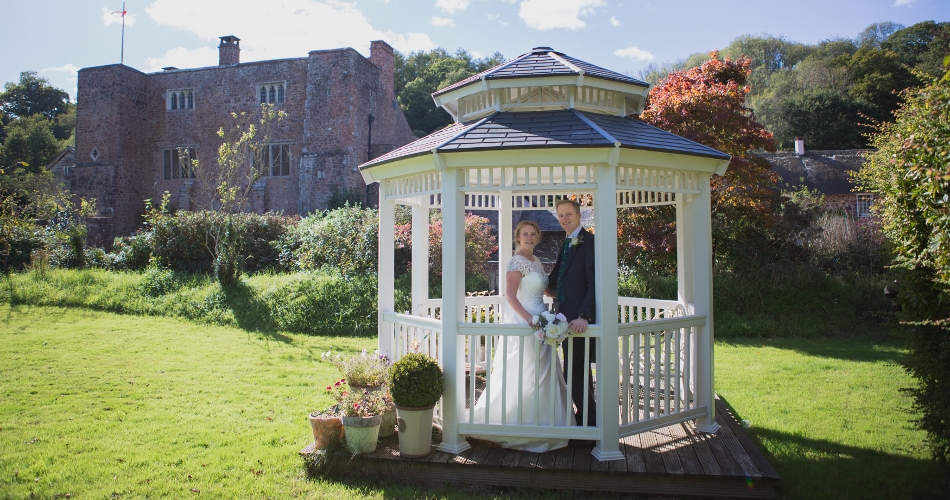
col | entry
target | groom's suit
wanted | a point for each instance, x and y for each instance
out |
(576, 295)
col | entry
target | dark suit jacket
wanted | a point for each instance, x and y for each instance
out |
(578, 285)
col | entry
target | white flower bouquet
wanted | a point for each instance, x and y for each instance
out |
(553, 327)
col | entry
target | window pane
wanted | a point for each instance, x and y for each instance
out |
(181, 100)
(263, 95)
(192, 155)
(174, 101)
(176, 164)
(167, 163)
(191, 100)
(285, 159)
(272, 96)
(280, 93)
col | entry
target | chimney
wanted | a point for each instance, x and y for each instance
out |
(382, 55)
(229, 52)
(800, 146)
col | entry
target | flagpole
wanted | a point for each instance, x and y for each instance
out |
(122, 50)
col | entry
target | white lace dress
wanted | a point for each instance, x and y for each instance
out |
(541, 381)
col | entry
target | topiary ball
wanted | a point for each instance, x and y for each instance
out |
(416, 381)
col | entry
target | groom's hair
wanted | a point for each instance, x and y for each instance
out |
(575, 203)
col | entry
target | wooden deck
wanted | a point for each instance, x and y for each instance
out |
(671, 461)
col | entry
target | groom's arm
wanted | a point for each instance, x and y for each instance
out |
(551, 290)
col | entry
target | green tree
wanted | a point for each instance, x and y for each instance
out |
(30, 144)
(825, 119)
(921, 46)
(33, 95)
(911, 176)
(422, 73)
(877, 33)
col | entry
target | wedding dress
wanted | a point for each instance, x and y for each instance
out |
(531, 295)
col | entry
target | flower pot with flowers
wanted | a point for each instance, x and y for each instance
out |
(363, 371)
(416, 385)
(362, 413)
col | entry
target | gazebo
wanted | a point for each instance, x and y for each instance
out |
(527, 132)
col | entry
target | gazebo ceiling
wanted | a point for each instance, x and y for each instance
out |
(522, 132)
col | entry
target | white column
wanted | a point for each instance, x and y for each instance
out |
(453, 303)
(420, 257)
(684, 253)
(504, 244)
(697, 215)
(386, 265)
(608, 366)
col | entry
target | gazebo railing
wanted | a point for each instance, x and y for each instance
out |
(657, 360)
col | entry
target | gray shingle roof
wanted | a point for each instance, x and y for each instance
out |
(545, 129)
(540, 62)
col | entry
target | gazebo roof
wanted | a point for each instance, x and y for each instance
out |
(569, 128)
(543, 61)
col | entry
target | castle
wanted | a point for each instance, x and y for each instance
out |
(136, 131)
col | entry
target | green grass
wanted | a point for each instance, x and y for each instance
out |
(830, 416)
(98, 405)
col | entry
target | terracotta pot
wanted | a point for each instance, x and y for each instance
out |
(361, 433)
(415, 431)
(327, 430)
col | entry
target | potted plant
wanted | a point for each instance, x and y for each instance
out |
(364, 371)
(361, 415)
(327, 427)
(388, 426)
(416, 384)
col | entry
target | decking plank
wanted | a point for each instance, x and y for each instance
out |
(547, 459)
(667, 449)
(564, 459)
(737, 452)
(634, 453)
(528, 460)
(684, 447)
(753, 451)
(651, 454)
(582, 460)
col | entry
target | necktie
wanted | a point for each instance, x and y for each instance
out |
(565, 253)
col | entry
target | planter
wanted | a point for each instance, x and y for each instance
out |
(361, 433)
(388, 426)
(367, 388)
(327, 430)
(415, 431)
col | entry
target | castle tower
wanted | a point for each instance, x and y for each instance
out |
(229, 52)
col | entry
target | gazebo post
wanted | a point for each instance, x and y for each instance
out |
(505, 241)
(698, 216)
(386, 273)
(684, 254)
(605, 261)
(453, 303)
(420, 257)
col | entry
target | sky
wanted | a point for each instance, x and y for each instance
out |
(58, 37)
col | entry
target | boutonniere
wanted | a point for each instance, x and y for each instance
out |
(577, 240)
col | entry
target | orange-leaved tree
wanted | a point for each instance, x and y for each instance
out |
(706, 104)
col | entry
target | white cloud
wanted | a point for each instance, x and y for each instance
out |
(442, 21)
(66, 68)
(552, 14)
(901, 3)
(115, 17)
(452, 6)
(634, 53)
(290, 28)
(614, 21)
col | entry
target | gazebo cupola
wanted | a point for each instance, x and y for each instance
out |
(543, 80)
(535, 129)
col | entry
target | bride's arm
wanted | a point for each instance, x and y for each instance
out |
(512, 281)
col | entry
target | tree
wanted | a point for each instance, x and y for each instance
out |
(825, 119)
(707, 105)
(422, 73)
(226, 185)
(921, 46)
(877, 33)
(911, 176)
(33, 95)
(30, 144)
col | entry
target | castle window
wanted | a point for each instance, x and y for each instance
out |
(180, 99)
(177, 163)
(276, 160)
(271, 93)
(863, 208)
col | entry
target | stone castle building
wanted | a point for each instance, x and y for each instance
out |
(135, 131)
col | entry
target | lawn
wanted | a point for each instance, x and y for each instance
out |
(96, 405)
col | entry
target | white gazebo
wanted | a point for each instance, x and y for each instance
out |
(534, 129)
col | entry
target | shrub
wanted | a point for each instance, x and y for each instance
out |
(18, 240)
(130, 253)
(346, 238)
(363, 370)
(325, 302)
(416, 381)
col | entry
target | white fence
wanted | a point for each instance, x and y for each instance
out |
(657, 340)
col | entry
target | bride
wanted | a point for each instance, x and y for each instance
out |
(526, 276)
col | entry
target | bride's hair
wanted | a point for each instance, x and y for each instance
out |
(523, 224)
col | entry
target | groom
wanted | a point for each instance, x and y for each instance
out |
(571, 283)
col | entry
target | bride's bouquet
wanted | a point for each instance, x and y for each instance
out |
(553, 327)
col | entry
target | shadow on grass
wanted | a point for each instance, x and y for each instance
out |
(813, 468)
(861, 350)
(250, 312)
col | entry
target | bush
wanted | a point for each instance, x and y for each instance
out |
(325, 302)
(346, 238)
(186, 241)
(18, 240)
(130, 253)
(416, 381)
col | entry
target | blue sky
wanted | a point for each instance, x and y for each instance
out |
(58, 37)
